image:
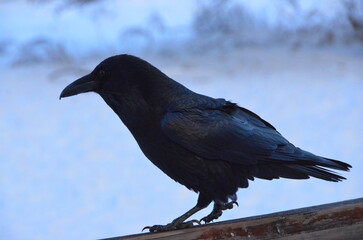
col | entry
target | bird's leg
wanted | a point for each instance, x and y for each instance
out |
(177, 223)
(217, 211)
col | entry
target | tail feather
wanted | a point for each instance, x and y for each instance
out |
(273, 171)
(318, 172)
(304, 164)
(335, 164)
(295, 171)
(289, 161)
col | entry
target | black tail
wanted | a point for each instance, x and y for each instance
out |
(320, 170)
(299, 164)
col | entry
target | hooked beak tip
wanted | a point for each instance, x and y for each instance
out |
(87, 83)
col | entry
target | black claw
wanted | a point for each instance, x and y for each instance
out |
(229, 205)
(217, 211)
(147, 227)
(233, 202)
(212, 216)
(171, 226)
(159, 228)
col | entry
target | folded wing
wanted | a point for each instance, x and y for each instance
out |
(221, 130)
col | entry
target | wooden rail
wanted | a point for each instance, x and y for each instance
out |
(335, 221)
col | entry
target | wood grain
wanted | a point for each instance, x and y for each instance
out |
(335, 221)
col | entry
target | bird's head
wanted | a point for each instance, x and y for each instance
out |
(130, 86)
(118, 75)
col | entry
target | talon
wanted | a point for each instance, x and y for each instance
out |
(147, 227)
(212, 216)
(171, 226)
(231, 204)
(158, 228)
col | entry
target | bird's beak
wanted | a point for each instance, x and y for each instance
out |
(87, 83)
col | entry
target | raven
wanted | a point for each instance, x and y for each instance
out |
(211, 146)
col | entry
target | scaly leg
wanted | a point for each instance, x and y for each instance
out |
(178, 223)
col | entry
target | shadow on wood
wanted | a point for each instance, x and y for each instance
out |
(341, 220)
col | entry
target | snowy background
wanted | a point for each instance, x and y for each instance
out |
(71, 170)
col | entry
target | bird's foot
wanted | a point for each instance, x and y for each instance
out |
(229, 205)
(215, 214)
(217, 211)
(174, 225)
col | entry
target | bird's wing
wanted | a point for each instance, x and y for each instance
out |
(223, 131)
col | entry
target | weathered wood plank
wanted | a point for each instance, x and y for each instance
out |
(340, 220)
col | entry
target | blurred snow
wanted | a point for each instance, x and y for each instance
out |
(101, 27)
(39, 31)
(71, 170)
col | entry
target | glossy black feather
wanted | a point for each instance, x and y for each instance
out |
(211, 146)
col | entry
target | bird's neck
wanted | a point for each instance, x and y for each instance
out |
(141, 113)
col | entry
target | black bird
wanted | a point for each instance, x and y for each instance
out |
(211, 146)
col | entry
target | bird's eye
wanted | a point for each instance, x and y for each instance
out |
(101, 74)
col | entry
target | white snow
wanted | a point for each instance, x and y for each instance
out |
(103, 26)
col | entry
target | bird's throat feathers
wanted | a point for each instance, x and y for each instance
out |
(141, 106)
